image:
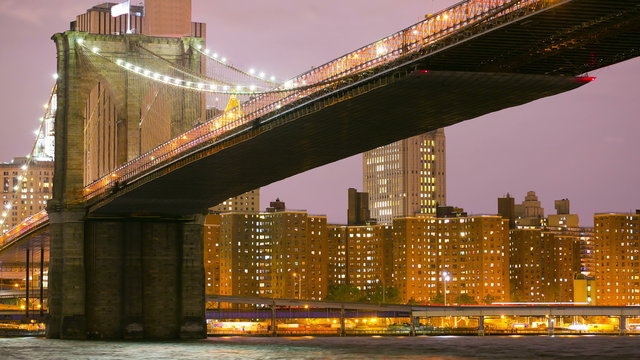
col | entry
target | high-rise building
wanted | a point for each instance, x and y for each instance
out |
(543, 262)
(249, 201)
(26, 188)
(471, 252)
(617, 258)
(279, 253)
(167, 18)
(406, 177)
(360, 256)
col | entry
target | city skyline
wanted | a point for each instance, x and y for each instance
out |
(575, 145)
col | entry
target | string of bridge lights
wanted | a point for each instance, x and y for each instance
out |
(202, 85)
(23, 178)
(258, 75)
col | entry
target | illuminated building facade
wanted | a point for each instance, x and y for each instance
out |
(249, 201)
(360, 256)
(617, 258)
(584, 289)
(279, 253)
(472, 251)
(543, 262)
(212, 253)
(26, 188)
(406, 177)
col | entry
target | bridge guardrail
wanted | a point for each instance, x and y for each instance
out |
(26, 226)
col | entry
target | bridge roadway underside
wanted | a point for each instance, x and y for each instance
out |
(360, 117)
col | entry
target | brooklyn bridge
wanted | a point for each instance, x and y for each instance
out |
(153, 128)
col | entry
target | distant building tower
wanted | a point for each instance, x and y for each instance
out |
(529, 213)
(358, 211)
(276, 206)
(562, 207)
(563, 218)
(406, 177)
(506, 209)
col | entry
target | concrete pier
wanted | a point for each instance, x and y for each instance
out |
(129, 279)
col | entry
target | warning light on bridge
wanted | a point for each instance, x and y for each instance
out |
(586, 79)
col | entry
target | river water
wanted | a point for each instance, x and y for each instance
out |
(265, 348)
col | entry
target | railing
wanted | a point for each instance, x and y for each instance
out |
(382, 52)
(26, 226)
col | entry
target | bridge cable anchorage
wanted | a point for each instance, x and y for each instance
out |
(39, 152)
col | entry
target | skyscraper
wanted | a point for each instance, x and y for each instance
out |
(406, 177)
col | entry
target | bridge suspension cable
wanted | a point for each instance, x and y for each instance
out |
(41, 150)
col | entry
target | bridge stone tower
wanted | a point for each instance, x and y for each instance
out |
(119, 275)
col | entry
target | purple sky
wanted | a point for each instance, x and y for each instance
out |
(581, 145)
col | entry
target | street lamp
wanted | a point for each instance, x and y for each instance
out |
(384, 289)
(296, 275)
(445, 278)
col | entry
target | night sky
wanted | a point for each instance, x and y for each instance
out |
(579, 145)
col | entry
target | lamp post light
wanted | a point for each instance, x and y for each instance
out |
(384, 289)
(296, 275)
(445, 278)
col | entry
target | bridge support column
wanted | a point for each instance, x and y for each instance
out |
(412, 324)
(274, 324)
(481, 325)
(66, 276)
(342, 327)
(138, 279)
(41, 283)
(27, 283)
(623, 325)
(551, 323)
